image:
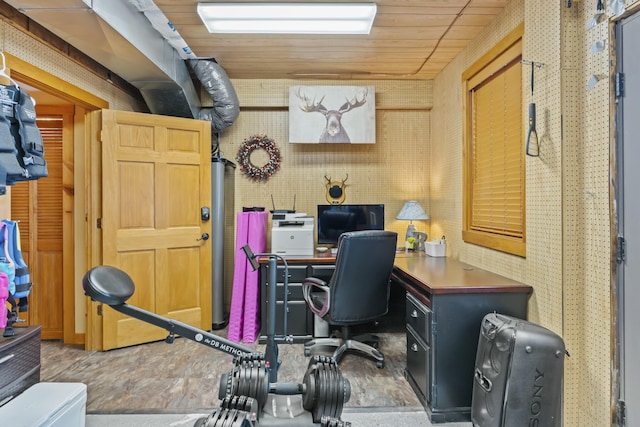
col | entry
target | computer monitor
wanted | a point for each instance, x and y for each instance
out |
(333, 220)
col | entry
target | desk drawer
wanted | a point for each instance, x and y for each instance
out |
(297, 273)
(322, 272)
(418, 363)
(418, 316)
(295, 292)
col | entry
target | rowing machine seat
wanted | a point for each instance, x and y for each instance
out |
(108, 285)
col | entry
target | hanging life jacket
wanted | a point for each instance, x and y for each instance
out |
(22, 276)
(21, 144)
(4, 295)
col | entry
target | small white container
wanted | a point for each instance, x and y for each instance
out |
(47, 405)
(435, 248)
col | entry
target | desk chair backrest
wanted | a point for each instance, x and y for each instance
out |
(360, 282)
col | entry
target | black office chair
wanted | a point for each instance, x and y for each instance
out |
(357, 293)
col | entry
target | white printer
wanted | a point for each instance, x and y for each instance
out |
(292, 234)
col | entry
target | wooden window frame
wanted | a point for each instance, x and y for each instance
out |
(507, 53)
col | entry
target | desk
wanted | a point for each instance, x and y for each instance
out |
(299, 317)
(446, 302)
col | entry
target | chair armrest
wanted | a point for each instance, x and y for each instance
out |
(310, 284)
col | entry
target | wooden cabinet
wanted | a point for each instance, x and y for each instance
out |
(445, 304)
(19, 362)
(299, 317)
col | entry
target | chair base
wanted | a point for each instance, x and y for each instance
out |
(355, 345)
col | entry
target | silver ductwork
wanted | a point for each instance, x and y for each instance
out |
(226, 106)
(119, 36)
(175, 95)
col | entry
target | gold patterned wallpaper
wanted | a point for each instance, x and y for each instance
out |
(418, 155)
(391, 171)
(568, 220)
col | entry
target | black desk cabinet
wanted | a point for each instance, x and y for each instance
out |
(300, 318)
(445, 303)
(19, 362)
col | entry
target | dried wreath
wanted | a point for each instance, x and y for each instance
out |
(257, 142)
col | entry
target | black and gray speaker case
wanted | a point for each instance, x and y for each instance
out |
(518, 374)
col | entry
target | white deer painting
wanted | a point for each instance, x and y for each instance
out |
(332, 114)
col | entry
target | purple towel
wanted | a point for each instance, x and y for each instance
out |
(244, 318)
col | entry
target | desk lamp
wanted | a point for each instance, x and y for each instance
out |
(412, 211)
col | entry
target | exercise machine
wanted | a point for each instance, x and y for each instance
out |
(250, 393)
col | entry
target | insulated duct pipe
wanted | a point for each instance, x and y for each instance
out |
(215, 81)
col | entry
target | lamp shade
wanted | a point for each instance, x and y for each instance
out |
(412, 211)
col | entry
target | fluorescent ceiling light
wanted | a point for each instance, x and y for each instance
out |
(288, 18)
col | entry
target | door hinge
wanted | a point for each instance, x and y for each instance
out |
(99, 223)
(621, 414)
(621, 255)
(99, 309)
(619, 85)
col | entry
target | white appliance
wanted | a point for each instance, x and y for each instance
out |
(292, 234)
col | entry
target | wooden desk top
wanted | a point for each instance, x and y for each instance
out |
(446, 275)
(431, 274)
(318, 257)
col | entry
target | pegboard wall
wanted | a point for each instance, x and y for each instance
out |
(28, 49)
(568, 237)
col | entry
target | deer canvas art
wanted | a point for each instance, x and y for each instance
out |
(332, 114)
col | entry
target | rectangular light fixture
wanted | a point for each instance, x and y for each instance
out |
(288, 18)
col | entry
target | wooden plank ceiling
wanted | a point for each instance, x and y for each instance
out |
(410, 39)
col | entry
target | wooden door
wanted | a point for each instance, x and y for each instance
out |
(155, 180)
(39, 208)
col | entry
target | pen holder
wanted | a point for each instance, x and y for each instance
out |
(435, 248)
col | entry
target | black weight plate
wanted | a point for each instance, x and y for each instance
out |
(324, 400)
(319, 402)
(326, 387)
(241, 381)
(313, 361)
(309, 395)
(255, 378)
(223, 388)
(333, 389)
(237, 418)
(224, 418)
(340, 392)
(213, 422)
(263, 390)
(204, 422)
(232, 418)
(226, 402)
(244, 378)
(232, 382)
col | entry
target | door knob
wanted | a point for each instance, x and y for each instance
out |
(205, 236)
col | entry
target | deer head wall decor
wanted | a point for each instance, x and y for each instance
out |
(333, 130)
(335, 190)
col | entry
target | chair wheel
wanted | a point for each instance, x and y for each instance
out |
(307, 352)
(380, 365)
